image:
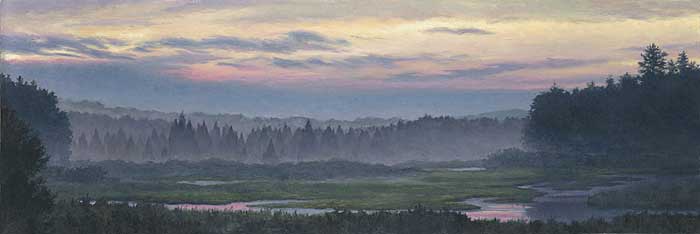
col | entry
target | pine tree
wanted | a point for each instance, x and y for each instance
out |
(653, 62)
(307, 142)
(96, 145)
(684, 66)
(81, 146)
(270, 155)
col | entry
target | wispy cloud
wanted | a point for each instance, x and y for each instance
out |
(493, 69)
(674, 46)
(290, 42)
(287, 63)
(62, 46)
(351, 62)
(458, 31)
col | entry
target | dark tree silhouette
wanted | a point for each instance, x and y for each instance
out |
(653, 62)
(23, 197)
(652, 118)
(38, 108)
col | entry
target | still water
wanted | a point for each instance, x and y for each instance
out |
(560, 205)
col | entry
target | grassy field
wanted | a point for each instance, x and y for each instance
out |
(433, 189)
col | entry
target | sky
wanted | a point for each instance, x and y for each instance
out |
(333, 58)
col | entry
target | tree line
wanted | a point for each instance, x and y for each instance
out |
(37, 107)
(652, 117)
(427, 138)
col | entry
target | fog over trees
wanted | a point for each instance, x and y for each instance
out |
(427, 138)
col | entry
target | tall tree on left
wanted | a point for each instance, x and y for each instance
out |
(24, 200)
(38, 108)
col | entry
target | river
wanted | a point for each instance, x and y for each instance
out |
(560, 205)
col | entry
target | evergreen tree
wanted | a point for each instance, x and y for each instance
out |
(653, 62)
(270, 155)
(307, 142)
(96, 145)
(684, 66)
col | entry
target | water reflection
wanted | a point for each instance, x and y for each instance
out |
(501, 211)
(207, 182)
(560, 205)
(467, 169)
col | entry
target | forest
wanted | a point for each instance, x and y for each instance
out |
(426, 139)
(649, 119)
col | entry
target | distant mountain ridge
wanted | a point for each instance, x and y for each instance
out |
(501, 114)
(239, 122)
(243, 123)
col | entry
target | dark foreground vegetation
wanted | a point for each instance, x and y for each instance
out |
(668, 194)
(73, 217)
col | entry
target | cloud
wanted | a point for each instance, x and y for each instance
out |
(458, 31)
(359, 61)
(236, 65)
(286, 63)
(59, 46)
(348, 62)
(304, 10)
(493, 69)
(290, 42)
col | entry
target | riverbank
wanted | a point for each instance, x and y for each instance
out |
(661, 193)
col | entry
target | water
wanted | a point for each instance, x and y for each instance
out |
(467, 169)
(560, 205)
(207, 182)
(501, 211)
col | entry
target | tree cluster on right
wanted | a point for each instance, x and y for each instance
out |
(652, 118)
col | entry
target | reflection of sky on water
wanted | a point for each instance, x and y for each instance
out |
(560, 205)
(503, 212)
(467, 169)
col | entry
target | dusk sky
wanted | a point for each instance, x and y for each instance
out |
(333, 59)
